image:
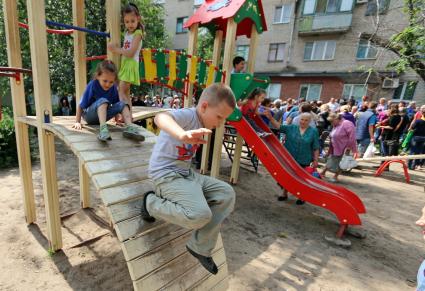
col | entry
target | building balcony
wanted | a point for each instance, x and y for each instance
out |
(324, 24)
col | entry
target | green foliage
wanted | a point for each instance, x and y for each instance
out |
(60, 47)
(8, 154)
(410, 42)
(205, 44)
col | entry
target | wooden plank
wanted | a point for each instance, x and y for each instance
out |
(125, 192)
(113, 25)
(218, 41)
(222, 285)
(84, 185)
(19, 109)
(113, 153)
(157, 257)
(98, 145)
(179, 274)
(149, 240)
(212, 280)
(29, 120)
(98, 167)
(133, 227)
(144, 114)
(234, 175)
(122, 211)
(191, 50)
(80, 69)
(236, 160)
(229, 48)
(42, 95)
(111, 179)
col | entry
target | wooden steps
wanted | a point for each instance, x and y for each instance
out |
(155, 252)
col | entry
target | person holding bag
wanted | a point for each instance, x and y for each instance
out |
(343, 138)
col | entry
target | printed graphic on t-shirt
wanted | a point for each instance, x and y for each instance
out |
(127, 44)
(186, 151)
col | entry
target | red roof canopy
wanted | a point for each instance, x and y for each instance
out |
(214, 13)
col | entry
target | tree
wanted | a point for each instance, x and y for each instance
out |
(408, 44)
(60, 47)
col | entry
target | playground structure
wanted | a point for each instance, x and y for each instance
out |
(155, 253)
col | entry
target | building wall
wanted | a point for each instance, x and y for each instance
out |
(175, 9)
(344, 61)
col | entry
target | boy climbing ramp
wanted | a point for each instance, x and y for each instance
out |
(182, 196)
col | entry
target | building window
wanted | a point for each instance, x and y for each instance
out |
(179, 26)
(405, 91)
(309, 6)
(372, 7)
(276, 52)
(242, 51)
(327, 6)
(310, 92)
(319, 50)
(366, 50)
(357, 91)
(282, 14)
(273, 91)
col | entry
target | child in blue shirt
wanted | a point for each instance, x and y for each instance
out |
(182, 196)
(100, 102)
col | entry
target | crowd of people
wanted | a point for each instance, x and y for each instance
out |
(350, 125)
(168, 101)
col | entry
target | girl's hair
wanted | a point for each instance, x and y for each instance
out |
(132, 8)
(105, 66)
(256, 92)
(266, 102)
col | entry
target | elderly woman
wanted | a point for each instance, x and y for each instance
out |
(343, 137)
(302, 142)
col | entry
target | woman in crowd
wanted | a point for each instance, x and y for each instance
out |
(343, 138)
(302, 142)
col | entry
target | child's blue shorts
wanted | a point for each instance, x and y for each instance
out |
(90, 113)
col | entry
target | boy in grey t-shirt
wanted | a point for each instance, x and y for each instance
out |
(182, 196)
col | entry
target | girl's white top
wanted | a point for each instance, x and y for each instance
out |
(128, 39)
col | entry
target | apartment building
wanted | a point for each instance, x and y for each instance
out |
(312, 48)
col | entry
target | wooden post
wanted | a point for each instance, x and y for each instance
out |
(191, 50)
(113, 25)
(42, 95)
(229, 48)
(239, 140)
(80, 72)
(84, 186)
(218, 41)
(19, 109)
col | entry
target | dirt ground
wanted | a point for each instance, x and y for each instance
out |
(270, 245)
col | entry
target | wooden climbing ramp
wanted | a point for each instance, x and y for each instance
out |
(155, 252)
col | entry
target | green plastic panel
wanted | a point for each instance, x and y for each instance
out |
(250, 10)
(242, 85)
(202, 72)
(142, 70)
(160, 67)
(181, 75)
(218, 76)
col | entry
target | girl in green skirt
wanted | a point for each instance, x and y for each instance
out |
(129, 71)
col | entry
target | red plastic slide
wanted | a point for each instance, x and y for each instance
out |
(285, 170)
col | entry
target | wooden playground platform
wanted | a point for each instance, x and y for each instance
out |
(155, 252)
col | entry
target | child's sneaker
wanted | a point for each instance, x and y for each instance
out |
(264, 134)
(132, 131)
(104, 133)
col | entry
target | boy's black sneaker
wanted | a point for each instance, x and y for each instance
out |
(143, 211)
(206, 262)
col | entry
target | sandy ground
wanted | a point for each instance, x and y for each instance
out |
(270, 245)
